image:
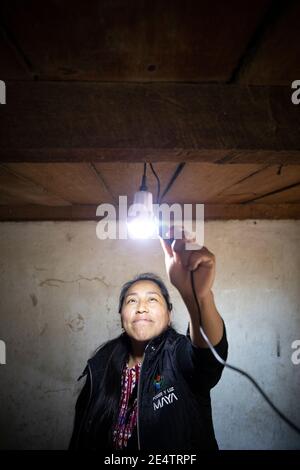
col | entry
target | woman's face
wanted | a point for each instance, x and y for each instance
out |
(144, 313)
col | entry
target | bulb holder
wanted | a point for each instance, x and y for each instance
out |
(143, 200)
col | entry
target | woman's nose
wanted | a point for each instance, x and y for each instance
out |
(142, 307)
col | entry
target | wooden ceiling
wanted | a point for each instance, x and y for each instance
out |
(94, 89)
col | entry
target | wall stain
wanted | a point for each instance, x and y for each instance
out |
(69, 237)
(56, 391)
(77, 323)
(278, 346)
(34, 299)
(43, 329)
(52, 282)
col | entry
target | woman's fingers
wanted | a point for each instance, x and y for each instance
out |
(203, 256)
(190, 259)
(166, 247)
(180, 254)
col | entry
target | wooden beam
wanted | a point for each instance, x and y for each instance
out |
(12, 62)
(276, 58)
(271, 180)
(76, 183)
(88, 212)
(132, 40)
(71, 122)
(18, 186)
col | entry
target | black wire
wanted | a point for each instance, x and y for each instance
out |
(173, 178)
(219, 358)
(143, 186)
(158, 182)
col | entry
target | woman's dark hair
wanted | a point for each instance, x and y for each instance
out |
(145, 277)
(106, 408)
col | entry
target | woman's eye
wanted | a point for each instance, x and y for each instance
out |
(153, 298)
(130, 301)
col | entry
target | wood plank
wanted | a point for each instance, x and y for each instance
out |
(252, 211)
(52, 122)
(12, 65)
(202, 182)
(276, 60)
(9, 199)
(137, 40)
(289, 196)
(268, 180)
(125, 178)
(212, 212)
(77, 183)
(130, 155)
(16, 186)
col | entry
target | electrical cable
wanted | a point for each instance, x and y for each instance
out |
(178, 170)
(204, 336)
(158, 183)
(236, 369)
(143, 186)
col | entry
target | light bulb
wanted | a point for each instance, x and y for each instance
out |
(141, 227)
(141, 222)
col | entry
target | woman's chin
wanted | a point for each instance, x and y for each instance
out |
(143, 332)
(143, 336)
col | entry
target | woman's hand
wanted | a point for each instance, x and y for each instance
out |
(180, 262)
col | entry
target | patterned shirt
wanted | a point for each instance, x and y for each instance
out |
(128, 406)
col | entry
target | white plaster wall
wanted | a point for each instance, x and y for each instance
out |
(58, 302)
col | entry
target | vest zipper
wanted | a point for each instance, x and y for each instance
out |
(87, 407)
(138, 400)
(138, 410)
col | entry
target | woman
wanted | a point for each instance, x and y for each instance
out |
(149, 389)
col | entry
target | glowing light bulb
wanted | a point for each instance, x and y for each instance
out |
(141, 222)
(141, 227)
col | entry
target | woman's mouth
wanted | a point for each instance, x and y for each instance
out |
(142, 320)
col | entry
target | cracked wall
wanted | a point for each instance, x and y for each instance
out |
(59, 302)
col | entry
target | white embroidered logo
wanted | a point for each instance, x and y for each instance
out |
(166, 397)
